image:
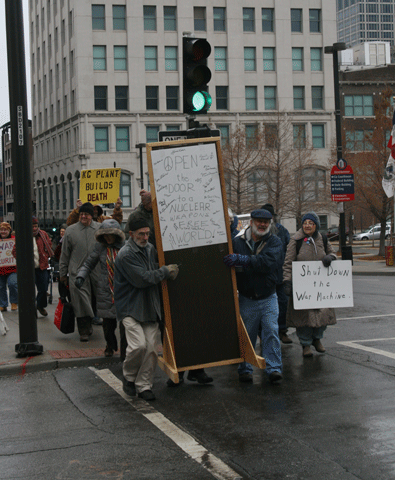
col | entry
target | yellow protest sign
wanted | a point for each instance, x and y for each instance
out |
(100, 185)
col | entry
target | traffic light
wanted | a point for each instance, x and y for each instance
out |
(196, 75)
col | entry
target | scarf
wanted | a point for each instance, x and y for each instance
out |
(44, 238)
(112, 252)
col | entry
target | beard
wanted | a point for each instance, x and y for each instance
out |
(259, 233)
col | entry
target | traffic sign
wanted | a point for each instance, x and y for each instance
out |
(342, 184)
(170, 135)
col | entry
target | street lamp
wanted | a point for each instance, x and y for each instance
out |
(334, 50)
(140, 146)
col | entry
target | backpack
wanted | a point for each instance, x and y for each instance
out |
(300, 241)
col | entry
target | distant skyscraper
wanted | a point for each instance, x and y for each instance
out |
(361, 21)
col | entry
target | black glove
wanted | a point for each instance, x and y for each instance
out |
(327, 260)
(288, 288)
(79, 282)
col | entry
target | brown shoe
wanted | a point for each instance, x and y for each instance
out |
(307, 351)
(14, 306)
(284, 337)
(43, 312)
(3, 309)
(318, 346)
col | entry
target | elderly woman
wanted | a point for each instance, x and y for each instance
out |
(308, 244)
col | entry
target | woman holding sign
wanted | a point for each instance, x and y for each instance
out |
(7, 270)
(308, 244)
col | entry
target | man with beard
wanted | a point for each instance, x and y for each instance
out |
(258, 257)
(137, 303)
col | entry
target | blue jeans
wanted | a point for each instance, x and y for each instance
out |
(262, 313)
(11, 280)
(42, 280)
(306, 335)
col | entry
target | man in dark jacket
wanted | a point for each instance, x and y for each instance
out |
(259, 256)
(137, 303)
(143, 211)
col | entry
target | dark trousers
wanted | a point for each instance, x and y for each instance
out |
(109, 327)
(42, 281)
(282, 307)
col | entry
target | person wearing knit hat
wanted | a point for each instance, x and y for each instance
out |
(8, 275)
(308, 244)
(79, 242)
(98, 215)
(143, 211)
(283, 234)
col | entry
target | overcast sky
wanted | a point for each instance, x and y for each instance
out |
(4, 100)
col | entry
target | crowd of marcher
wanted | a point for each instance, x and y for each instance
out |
(117, 281)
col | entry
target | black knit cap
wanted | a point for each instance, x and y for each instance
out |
(87, 208)
(137, 224)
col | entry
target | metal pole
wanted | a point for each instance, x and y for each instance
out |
(29, 344)
(140, 147)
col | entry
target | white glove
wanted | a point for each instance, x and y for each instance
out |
(173, 270)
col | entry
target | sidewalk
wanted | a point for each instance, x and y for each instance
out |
(62, 351)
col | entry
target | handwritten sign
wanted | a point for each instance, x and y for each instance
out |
(188, 195)
(316, 286)
(6, 257)
(100, 185)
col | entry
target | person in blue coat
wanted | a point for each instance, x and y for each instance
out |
(258, 257)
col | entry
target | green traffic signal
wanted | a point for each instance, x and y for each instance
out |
(201, 101)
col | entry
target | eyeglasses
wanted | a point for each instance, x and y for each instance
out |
(308, 223)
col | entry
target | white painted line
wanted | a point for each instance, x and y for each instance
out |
(369, 316)
(383, 353)
(216, 467)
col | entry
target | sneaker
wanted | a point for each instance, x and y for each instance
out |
(284, 337)
(171, 384)
(14, 306)
(3, 309)
(97, 321)
(147, 395)
(84, 338)
(129, 388)
(199, 376)
(307, 351)
(275, 377)
(245, 378)
(43, 312)
(108, 352)
(318, 346)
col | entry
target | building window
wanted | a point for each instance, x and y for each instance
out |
(359, 140)
(101, 139)
(270, 98)
(271, 136)
(298, 98)
(64, 195)
(267, 19)
(101, 98)
(125, 190)
(119, 17)
(251, 98)
(299, 136)
(151, 98)
(151, 58)
(172, 97)
(297, 59)
(149, 17)
(316, 59)
(249, 59)
(121, 98)
(98, 18)
(221, 95)
(99, 57)
(358, 105)
(171, 59)
(219, 14)
(251, 132)
(151, 133)
(173, 128)
(317, 98)
(268, 59)
(249, 19)
(220, 59)
(313, 184)
(57, 196)
(315, 20)
(258, 181)
(199, 16)
(318, 135)
(120, 58)
(224, 131)
(296, 20)
(170, 18)
(122, 139)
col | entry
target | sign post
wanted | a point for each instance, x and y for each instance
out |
(342, 182)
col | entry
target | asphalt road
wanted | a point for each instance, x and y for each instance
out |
(333, 417)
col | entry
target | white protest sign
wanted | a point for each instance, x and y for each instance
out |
(6, 257)
(189, 198)
(316, 286)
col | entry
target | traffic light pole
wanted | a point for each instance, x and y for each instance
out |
(28, 345)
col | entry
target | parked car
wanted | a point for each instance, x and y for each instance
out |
(373, 233)
(333, 233)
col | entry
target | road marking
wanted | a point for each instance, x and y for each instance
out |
(370, 316)
(191, 447)
(354, 344)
